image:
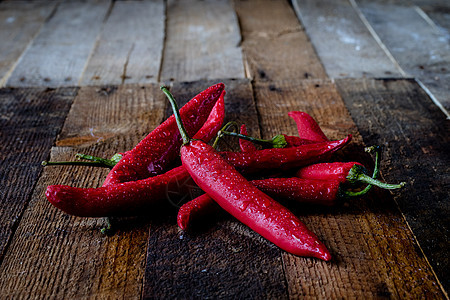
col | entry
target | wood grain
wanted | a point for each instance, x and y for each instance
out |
(21, 21)
(420, 48)
(375, 254)
(221, 258)
(67, 257)
(342, 41)
(400, 116)
(30, 120)
(202, 41)
(274, 43)
(59, 53)
(129, 49)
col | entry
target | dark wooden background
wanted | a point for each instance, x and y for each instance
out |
(84, 76)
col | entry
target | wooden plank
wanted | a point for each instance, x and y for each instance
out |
(419, 47)
(30, 120)
(67, 257)
(21, 21)
(344, 44)
(274, 43)
(437, 13)
(129, 49)
(375, 254)
(202, 41)
(59, 53)
(222, 258)
(399, 115)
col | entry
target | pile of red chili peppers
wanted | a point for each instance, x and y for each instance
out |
(141, 178)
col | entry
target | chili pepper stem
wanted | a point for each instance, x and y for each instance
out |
(356, 175)
(108, 228)
(277, 141)
(376, 171)
(220, 134)
(176, 112)
(94, 161)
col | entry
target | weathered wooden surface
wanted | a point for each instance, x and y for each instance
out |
(398, 115)
(30, 120)
(68, 257)
(385, 245)
(368, 263)
(130, 46)
(421, 49)
(20, 22)
(344, 44)
(58, 55)
(202, 41)
(275, 45)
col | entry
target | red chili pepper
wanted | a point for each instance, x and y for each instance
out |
(284, 158)
(300, 190)
(243, 200)
(307, 127)
(329, 171)
(214, 121)
(158, 149)
(322, 192)
(122, 199)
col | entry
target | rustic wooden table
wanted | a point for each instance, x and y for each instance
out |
(84, 76)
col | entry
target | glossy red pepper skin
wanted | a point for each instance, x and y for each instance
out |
(125, 198)
(249, 205)
(327, 171)
(122, 199)
(283, 158)
(157, 150)
(301, 190)
(307, 127)
(195, 209)
(214, 122)
(311, 191)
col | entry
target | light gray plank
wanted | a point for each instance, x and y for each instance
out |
(20, 21)
(419, 47)
(344, 44)
(202, 41)
(59, 53)
(129, 49)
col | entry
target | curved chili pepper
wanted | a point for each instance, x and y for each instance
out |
(158, 149)
(307, 127)
(284, 158)
(214, 121)
(313, 191)
(243, 200)
(111, 199)
(122, 199)
(300, 190)
(329, 171)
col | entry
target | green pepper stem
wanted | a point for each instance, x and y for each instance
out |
(176, 112)
(108, 228)
(74, 163)
(376, 172)
(94, 161)
(356, 174)
(277, 141)
(233, 124)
